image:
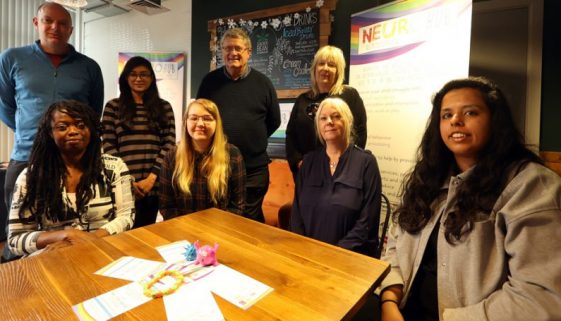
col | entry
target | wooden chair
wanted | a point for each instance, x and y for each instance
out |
(281, 191)
(284, 216)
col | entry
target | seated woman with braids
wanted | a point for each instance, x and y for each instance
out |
(70, 193)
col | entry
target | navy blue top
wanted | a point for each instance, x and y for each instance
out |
(342, 209)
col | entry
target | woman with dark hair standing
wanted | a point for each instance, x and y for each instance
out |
(69, 188)
(139, 127)
(477, 235)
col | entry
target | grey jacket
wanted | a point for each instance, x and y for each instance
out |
(508, 268)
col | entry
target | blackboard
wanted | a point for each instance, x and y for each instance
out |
(284, 42)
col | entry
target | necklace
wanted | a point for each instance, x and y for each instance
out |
(332, 165)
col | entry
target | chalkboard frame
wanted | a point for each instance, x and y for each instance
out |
(324, 30)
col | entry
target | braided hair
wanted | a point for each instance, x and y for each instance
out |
(46, 166)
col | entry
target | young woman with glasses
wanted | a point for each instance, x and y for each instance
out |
(139, 127)
(203, 171)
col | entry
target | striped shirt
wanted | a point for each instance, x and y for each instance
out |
(173, 202)
(141, 147)
(22, 236)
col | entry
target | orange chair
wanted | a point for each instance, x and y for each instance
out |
(284, 216)
(281, 192)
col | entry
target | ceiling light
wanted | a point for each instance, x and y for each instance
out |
(71, 3)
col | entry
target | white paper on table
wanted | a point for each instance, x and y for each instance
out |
(130, 268)
(173, 252)
(235, 287)
(112, 303)
(192, 302)
(191, 272)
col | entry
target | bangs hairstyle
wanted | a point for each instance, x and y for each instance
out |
(215, 164)
(346, 116)
(150, 98)
(334, 55)
(503, 154)
(236, 33)
(46, 171)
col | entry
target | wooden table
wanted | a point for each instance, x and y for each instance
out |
(311, 280)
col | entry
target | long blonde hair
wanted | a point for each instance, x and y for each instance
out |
(215, 164)
(330, 54)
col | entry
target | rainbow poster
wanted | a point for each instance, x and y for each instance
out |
(169, 68)
(401, 53)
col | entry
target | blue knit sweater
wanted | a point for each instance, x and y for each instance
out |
(29, 84)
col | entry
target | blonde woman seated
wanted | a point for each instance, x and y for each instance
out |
(203, 171)
(69, 188)
(338, 189)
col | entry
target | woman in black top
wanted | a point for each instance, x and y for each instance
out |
(327, 76)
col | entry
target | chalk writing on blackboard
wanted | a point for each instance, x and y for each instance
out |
(283, 47)
(284, 41)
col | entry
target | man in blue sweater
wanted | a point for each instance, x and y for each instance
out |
(250, 113)
(35, 76)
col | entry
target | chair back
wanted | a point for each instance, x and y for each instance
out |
(382, 240)
(284, 216)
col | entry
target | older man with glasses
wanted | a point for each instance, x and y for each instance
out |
(250, 112)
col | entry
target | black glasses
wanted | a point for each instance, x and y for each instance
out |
(312, 109)
(207, 119)
(233, 49)
(141, 75)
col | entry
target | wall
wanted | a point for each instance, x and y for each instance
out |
(208, 10)
(16, 30)
(105, 37)
(551, 65)
(551, 71)
(511, 55)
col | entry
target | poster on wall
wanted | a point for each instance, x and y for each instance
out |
(169, 68)
(401, 53)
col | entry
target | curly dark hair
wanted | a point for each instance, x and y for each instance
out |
(151, 98)
(47, 171)
(435, 162)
